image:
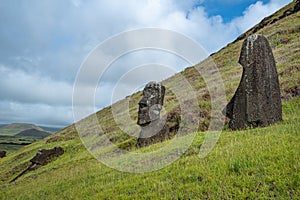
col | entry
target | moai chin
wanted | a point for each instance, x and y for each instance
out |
(257, 100)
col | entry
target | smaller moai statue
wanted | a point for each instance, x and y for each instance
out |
(257, 100)
(151, 103)
(42, 157)
(153, 129)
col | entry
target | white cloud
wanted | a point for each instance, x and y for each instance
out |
(255, 13)
(22, 87)
(35, 113)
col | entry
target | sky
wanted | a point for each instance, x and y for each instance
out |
(44, 43)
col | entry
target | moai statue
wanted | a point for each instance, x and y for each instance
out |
(257, 100)
(151, 103)
(153, 129)
(43, 157)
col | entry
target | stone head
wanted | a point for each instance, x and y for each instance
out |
(151, 103)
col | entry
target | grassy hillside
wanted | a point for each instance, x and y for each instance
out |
(15, 128)
(261, 162)
(50, 129)
(283, 36)
(16, 135)
(34, 133)
(13, 143)
(2, 125)
(255, 163)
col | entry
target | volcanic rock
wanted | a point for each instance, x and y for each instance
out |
(153, 128)
(2, 154)
(257, 100)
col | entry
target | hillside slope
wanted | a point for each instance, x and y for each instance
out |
(34, 133)
(15, 128)
(2, 125)
(50, 129)
(16, 135)
(283, 36)
(256, 163)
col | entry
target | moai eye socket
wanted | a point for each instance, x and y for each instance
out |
(142, 105)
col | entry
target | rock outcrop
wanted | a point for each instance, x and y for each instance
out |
(43, 157)
(2, 154)
(257, 100)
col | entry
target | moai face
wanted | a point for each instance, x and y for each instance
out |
(151, 103)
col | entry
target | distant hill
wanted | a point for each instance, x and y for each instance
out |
(34, 133)
(15, 128)
(2, 125)
(50, 129)
(16, 135)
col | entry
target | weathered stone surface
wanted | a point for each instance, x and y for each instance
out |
(257, 100)
(155, 132)
(43, 157)
(2, 154)
(153, 128)
(151, 103)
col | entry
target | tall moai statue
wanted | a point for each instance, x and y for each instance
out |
(153, 129)
(257, 100)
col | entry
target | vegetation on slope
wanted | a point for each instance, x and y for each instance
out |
(15, 128)
(34, 133)
(255, 163)
(12, 143)
(16, 135)
(284, 38)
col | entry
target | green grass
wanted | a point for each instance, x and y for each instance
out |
(260, 163)
(15, 128)
(255, 163)
(11, 131)
(286, 55)
(13, 143)
(10, 147)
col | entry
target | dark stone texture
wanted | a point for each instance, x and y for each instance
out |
(43, 157)
(151, 103)
(2, 154)
(153, 128)
(155, 132)
(257, 100)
